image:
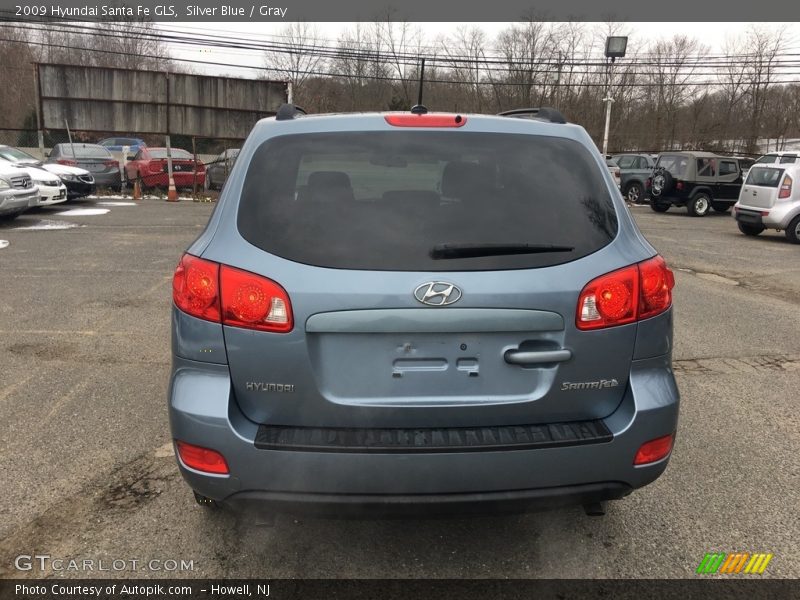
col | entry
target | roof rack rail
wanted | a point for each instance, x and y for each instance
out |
(542, 114)
(287, 112)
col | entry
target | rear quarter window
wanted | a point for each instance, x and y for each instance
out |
(675, 164)
(383, 200)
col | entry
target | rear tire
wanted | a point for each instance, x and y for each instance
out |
(699, 205)
(634, 193)
(659, 207)
(720, 207)
(752, 230)
(793, 230)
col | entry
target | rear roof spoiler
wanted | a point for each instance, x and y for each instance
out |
(542, 114)
(287, 112)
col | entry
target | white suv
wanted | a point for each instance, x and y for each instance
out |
(17, 192)
(770, 197)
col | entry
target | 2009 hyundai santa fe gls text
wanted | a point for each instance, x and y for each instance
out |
(421, 312)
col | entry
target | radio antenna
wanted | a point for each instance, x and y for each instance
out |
(419, 108)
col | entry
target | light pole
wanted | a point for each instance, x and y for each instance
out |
(615, 48)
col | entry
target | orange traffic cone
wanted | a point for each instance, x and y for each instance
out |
(172, 194)
(137, 190)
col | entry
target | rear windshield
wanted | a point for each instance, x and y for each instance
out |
(773, 158)
(674, 163)
(385, 200)
(176, 153)
(764, 176)
(82, 151)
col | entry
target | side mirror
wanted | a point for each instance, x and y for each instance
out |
(130, 157)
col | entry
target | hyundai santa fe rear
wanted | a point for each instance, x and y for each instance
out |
(420, 313)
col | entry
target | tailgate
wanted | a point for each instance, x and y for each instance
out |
(761, 188)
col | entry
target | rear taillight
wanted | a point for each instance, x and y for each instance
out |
(111, 163)
(636, 292)
(654, 450)
(219, 293)
(66, 161)
(678, 185)
(648, 182)
(254, 302)
(425, 120)
(195, 288)
(786, 188)
(655, 287)
(202, 459)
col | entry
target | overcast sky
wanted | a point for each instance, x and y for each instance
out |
(712, 35)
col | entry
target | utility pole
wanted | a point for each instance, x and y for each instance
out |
(608, 100)
(615, 48)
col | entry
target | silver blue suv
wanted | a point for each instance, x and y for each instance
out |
(405, 312)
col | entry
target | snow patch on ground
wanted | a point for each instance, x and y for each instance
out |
(4, 244)
(116, 204)
(47, 224)
(83, 212)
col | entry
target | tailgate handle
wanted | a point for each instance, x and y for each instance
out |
(524, 357)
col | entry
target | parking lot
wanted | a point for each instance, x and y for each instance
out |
(87, 463)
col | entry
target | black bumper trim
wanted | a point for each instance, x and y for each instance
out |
(427, 440)
(749, 217)
(382, 505)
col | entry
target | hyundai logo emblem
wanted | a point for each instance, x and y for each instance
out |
(437, 293)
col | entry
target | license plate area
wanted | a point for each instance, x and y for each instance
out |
(428, 369)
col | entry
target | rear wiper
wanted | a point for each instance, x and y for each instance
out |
(440, 251)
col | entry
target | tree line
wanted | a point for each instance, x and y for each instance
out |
(668, 93)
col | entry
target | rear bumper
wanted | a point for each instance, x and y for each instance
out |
(181, 179)
(204, 412)
(777, 217)
(381, 505)
(112, 179)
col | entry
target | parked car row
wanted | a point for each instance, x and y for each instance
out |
(762, 192)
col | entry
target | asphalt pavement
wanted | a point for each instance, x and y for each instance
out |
(88, 472)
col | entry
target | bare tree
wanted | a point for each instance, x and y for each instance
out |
(297, 59)
(464, 53)
(763, 50)
(361, 66)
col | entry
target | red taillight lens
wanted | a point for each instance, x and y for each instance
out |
(195, 288)
(786, 188)
(254, 302)
(636, 292)
(426, 120)
(648, 182)
(111, 163)
(654, 450)
(679, 185)
(66, 161)
(219, 293)
(202, 459)
(655, 282)
(609, 300)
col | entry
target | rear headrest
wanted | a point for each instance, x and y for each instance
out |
(329, 179)
(329, 186)
(465, 180)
